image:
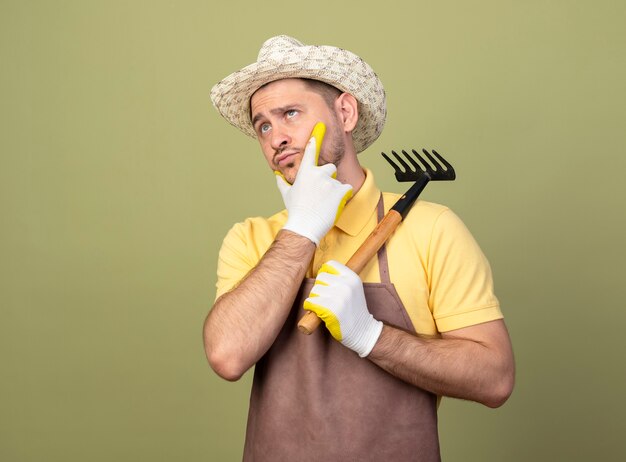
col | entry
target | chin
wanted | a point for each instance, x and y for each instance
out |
(290, 171)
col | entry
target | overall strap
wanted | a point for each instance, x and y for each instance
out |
(383, 264)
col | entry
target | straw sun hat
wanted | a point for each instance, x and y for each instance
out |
(284, 57)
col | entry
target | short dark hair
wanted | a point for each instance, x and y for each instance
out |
(325, 90)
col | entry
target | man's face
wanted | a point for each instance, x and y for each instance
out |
(283, 114)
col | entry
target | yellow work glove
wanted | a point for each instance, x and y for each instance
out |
(316, 199)
(338, 299)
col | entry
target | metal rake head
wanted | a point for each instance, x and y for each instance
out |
(435, 169)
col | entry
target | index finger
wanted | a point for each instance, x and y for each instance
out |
(313, 147)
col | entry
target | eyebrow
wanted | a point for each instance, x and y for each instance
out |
(278, 110)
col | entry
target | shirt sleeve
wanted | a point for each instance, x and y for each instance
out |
(233, 262)
(461, 283)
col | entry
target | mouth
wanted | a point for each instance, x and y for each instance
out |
(285, 158)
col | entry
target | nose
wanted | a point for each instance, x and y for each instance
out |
(280, 138)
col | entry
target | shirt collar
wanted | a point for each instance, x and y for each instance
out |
(360, 208)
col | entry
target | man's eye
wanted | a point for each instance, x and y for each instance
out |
(291, 113)
(264, 128)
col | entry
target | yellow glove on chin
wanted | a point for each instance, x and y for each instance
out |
(316, 199)
(338, 299)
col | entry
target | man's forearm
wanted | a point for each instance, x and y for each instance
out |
(454, 366)
(244, 322)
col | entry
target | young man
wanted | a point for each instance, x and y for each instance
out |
(420, 321)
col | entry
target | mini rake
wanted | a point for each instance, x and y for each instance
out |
(436, 168)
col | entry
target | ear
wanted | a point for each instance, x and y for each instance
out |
(347, 109)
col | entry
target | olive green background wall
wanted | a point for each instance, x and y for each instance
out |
(118, 181)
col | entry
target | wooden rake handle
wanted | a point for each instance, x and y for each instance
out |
(357, 262)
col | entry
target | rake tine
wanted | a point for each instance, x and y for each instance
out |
(443, 161)
(393, 164)
(432, 160)
(402, 162)
(427, 166)
(417, 166)
(414, 166)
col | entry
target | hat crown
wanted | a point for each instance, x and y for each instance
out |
(275, 48)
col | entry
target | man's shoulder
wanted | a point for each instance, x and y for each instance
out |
(427, 220)
(273, 221)
(258, 227)
(421, 210)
